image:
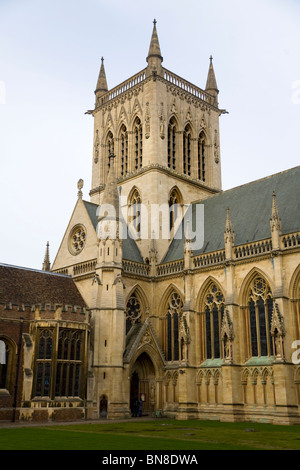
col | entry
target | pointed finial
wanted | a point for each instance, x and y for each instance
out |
(275, 219)
(46, 263)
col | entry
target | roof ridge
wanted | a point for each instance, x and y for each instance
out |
(264, 178)
(33, 270)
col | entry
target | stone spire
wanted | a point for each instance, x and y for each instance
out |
(154, 58)
(46, 263)
(102, 83)
(211, 83)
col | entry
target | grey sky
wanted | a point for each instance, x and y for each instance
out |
(49, 62)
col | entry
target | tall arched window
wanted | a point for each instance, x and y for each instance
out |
(69, 363)
(4, 364)
(133, 312)
(213, 316)
(201, 156)
(135, 211)
(172, 144)
(187, 150)
(260, 309)
(110, 147)
(173, 316)
(124, 150)
(175, 202)
(138, 143)
(44, 363)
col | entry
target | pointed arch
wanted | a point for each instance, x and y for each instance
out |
(134, 204)
(187, 149)
(254, 272)
(123, 118)
(204, 287)
(137, 112)
(175, 201)
(172, 142)
(202, 152)
(123, 150)
(141, 295)
(137, 130)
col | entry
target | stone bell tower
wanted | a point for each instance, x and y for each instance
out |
(164, 133)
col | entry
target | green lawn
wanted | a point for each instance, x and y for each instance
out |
(152, 435)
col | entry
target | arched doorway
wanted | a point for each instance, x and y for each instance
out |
(143, 384)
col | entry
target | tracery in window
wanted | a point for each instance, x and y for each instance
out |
(135, 211)
(201, 156)
(187, 136)
(172, 144)
(260, 309)
(138, 143)
(173, 317)
(124, 150)
(133, 312)
(213, 311)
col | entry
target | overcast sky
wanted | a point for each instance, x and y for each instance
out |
(50, 55)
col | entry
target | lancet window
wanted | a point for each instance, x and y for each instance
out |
(201, 157)
(173, 317)
(138, 142)
(172, 144)
(175, 202)
(187, 150)
(135, 211)
(124, 150)
(260, 309)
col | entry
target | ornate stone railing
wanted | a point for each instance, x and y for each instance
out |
(123, 87)
(209, 259)
(188, 87)
(84, 268)
(253, 249)
(132, 267)
(170, 268)
(291, 240)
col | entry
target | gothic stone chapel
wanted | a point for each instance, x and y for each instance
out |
(198, 319)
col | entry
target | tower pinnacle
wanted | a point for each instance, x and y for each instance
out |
(154, 58)
(102, 83)
(211, 84)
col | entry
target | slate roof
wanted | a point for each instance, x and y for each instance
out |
(250, 210)
(31, 287)
(131, 251)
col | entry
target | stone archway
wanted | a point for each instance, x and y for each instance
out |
(143, 383)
